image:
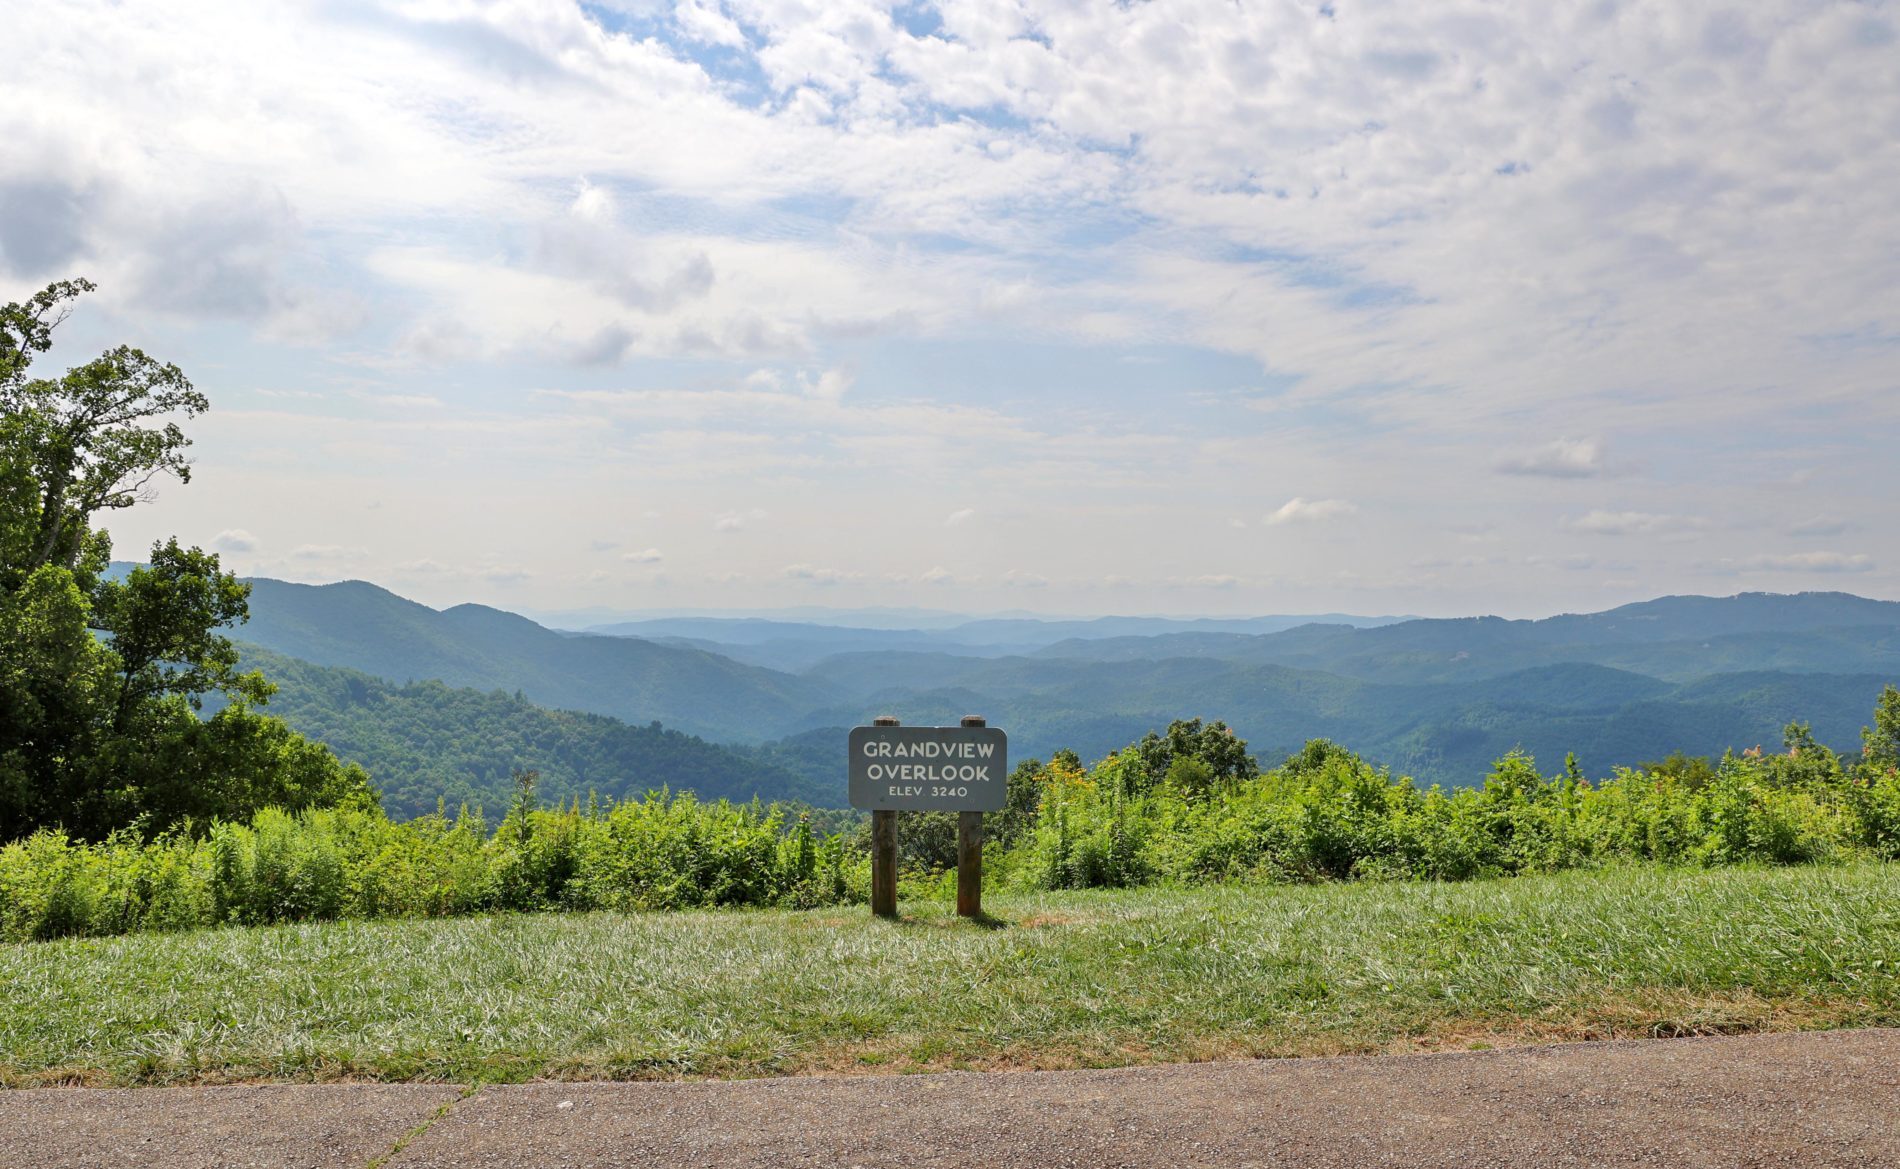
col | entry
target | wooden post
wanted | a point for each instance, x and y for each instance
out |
(884, 851)
(970, 850)
(969, 864)
(884, 864)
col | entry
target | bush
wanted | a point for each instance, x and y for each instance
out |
(1179, 810)
(1326, 814)
(664, 852)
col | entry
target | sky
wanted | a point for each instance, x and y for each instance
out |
(1169, 307)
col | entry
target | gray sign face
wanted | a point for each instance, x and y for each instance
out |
(929, 769)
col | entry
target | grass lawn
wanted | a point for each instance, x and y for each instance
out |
(1059, 980)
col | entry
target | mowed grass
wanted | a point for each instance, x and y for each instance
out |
(1061, 980)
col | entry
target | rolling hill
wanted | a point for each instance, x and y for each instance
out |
(1677, 638)
(1444, 732)
(1435, 698)
(799, 645)
(362, 627)
(424, 741)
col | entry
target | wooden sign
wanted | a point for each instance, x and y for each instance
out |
(894, 769)
(929, 769)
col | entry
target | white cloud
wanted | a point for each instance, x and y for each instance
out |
(490, 572)
(400, 401)
(1567, 458)
(1095, 267)
(1821, 525)
(1802, 562)
(733, 521)
(645, 556)
(1432, 167)
(1570, 563)
(962, 515)
(426, 567)
(234, 540)
(1634, 523)
(820, 576)
(937, 575)
(326, 553)
(831, 386)
(703, 22)
(1300, 510)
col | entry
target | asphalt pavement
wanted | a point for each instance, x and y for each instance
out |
(1815, 1099)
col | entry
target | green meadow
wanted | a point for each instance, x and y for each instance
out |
(1053, 979)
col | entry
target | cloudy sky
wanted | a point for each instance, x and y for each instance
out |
(1084, 307)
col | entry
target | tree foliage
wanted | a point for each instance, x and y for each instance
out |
(424, 742)
(101, 679)
(1195, 757)
(1324, 814)
(1881, 742)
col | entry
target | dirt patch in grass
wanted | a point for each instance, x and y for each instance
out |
(1639, 1013)
(1642, 1013)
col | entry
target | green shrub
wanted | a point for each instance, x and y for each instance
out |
(1326, 814)
(1179, 810)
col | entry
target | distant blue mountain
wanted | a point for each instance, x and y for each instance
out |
(1673, 637)
(363, 627)
(1435, 698)
(791, 645)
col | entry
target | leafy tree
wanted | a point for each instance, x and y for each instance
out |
(1216, 755)
(101, 680)
(1022, 800)
(1880, 743)
(86, 442)
(162, 621)
(1803, 763)
(926, 841)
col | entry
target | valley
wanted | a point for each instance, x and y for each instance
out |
(445, 703)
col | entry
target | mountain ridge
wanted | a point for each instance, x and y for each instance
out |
(486, 648)
(1437, 698)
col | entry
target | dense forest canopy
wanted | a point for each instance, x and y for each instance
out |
(427, 743)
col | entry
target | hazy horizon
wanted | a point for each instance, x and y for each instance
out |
(580, 619)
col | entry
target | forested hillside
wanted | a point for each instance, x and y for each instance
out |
(1676, 638)
(1438, 733)
(426, 741)
(1435, 699)
(363, 627)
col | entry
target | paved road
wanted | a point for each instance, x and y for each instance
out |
(1793, 1100)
